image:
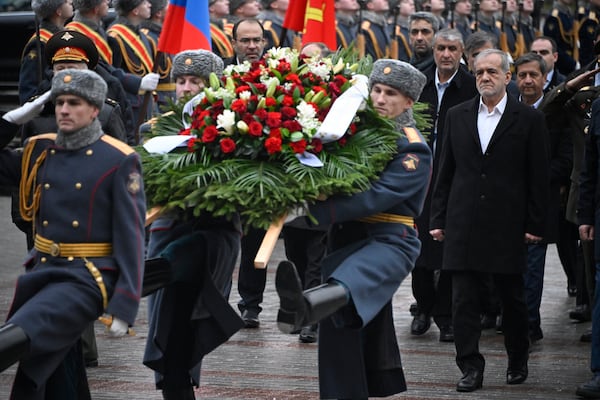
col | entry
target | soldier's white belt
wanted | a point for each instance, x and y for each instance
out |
(72, 249)
(389, 218)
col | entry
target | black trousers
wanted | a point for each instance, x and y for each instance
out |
(433, 294)
(251, 281)
(466, 311)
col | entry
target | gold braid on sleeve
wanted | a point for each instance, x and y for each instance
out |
(29, 191)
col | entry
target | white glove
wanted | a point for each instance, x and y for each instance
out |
(149, 82)
(118, 328)
(28, 110)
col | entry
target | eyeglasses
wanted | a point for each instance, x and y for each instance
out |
(247, 41)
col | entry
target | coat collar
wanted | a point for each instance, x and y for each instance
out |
(508, 119)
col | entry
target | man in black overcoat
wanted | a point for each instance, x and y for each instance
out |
(448, 84)
(489, 201)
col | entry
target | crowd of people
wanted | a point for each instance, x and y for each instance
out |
(500, 82)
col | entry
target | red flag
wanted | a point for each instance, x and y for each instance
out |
(186, 27)
(294, 16)
(315, 18)
(320, 23)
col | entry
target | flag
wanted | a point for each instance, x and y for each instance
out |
(186, 27)
(320, 25)
(315, 18)
(294, 16)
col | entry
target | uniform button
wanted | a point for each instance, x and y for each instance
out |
(89, 152)
(43, 259)
(70, 258)
(78, 185)
(483, 176)
(45, 223)
(75, 224)
(52, 151)
(46, 186)
(482, 197)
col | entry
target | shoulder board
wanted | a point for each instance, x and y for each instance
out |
(366, 24)
(117, 144)
(267, 24)
(112, 102)
(49, 136)
(412, 135)
(499, 24)
(145, 31)
(592, 15)
(555, 13)
(581, 10)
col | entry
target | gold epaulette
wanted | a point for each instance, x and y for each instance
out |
(555, 13)
(499, 24)
(366, 24)
(412, 135)
(117, 144)
(51, 136)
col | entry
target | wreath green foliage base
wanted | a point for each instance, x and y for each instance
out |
(263, 190)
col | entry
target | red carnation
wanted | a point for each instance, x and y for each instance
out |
(317, 145)
(238, 106)
(185, 131)
(247, 118)
(255, 128)
(287, 101)
(340, 80)
(288, 112)
(273, 145)
(261, 114)
(243, 88)
(275, 133)
(298, 147)
(294, 79)
(270, 102)
(284, 66)
(292, 125)
(273, 119)
(210, 134)
(191, 145)
(227, 145)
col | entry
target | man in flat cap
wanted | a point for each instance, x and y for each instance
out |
(53, 15)
(373, 247)
(83, 192)
(499, 146)
(191, 316)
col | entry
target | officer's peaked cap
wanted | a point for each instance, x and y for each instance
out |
(71, 46)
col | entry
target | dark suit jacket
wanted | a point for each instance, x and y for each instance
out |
(486, 202)
(461, 88)
(560, 147)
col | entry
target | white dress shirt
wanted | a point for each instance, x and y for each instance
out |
(488, 121)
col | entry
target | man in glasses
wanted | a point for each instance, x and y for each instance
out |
(546, 47)
(248, 41)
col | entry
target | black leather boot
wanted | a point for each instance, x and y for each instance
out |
(301, 308)
(14, 344)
